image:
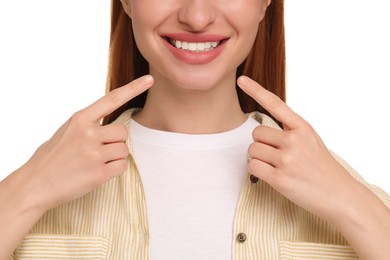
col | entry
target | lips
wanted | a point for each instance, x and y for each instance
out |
(194, 49)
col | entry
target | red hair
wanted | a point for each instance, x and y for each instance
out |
(265, 63)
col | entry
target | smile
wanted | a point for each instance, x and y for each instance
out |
(194, 46)
(195, 49)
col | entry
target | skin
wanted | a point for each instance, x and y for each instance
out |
(79, 157)
(294, 161)
(195, 89)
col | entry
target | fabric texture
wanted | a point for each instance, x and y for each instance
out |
(111, 222)
(192, 183)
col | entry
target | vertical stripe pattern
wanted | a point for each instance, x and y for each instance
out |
(111, 222)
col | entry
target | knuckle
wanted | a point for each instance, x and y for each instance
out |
(115, 98)
(77, 117)
(304, 124)
(90, 133)
(292, 138)
(286, 159)
(274, 103)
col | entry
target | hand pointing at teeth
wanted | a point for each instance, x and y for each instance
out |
(79, 157)
(296, 163)
(82, 154)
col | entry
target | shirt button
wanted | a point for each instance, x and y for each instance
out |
(241, 237)
(253, 179)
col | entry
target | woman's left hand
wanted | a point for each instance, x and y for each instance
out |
(295, 161)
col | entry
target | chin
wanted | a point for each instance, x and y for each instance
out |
(197, 83)
(202, 79)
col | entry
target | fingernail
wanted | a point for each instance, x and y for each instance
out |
(243, 80)
(148, 79)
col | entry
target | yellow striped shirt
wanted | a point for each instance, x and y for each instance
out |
(111, 222)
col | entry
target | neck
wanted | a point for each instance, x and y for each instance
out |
(177, 109)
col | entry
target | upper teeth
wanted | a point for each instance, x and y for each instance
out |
(194, 46)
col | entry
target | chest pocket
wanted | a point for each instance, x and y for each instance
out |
(62, 247)
(301, 250)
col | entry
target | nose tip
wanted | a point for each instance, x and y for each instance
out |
(197, 14)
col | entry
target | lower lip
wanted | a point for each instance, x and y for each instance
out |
(191, 57)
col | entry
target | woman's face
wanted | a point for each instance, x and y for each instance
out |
(195, 44)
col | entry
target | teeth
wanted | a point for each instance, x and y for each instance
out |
(200, 46)
(178, 44)
(194, 46)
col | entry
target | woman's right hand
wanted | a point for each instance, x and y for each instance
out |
(79, 157)
(82, 154)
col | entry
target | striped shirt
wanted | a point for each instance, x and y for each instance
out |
(111, 222)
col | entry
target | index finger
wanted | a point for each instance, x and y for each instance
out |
(270, 102)
(116, 98)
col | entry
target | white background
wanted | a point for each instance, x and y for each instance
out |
(53, 60)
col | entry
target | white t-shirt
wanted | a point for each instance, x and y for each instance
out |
(192, 185)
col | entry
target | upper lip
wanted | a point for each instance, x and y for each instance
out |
(191, 37)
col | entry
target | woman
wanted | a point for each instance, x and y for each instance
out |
(192, 166)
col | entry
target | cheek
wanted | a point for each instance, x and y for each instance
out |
(143, 25)
(147, 16)
(143, 13)
(245, 20)
(245, 11)
(151, 9)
